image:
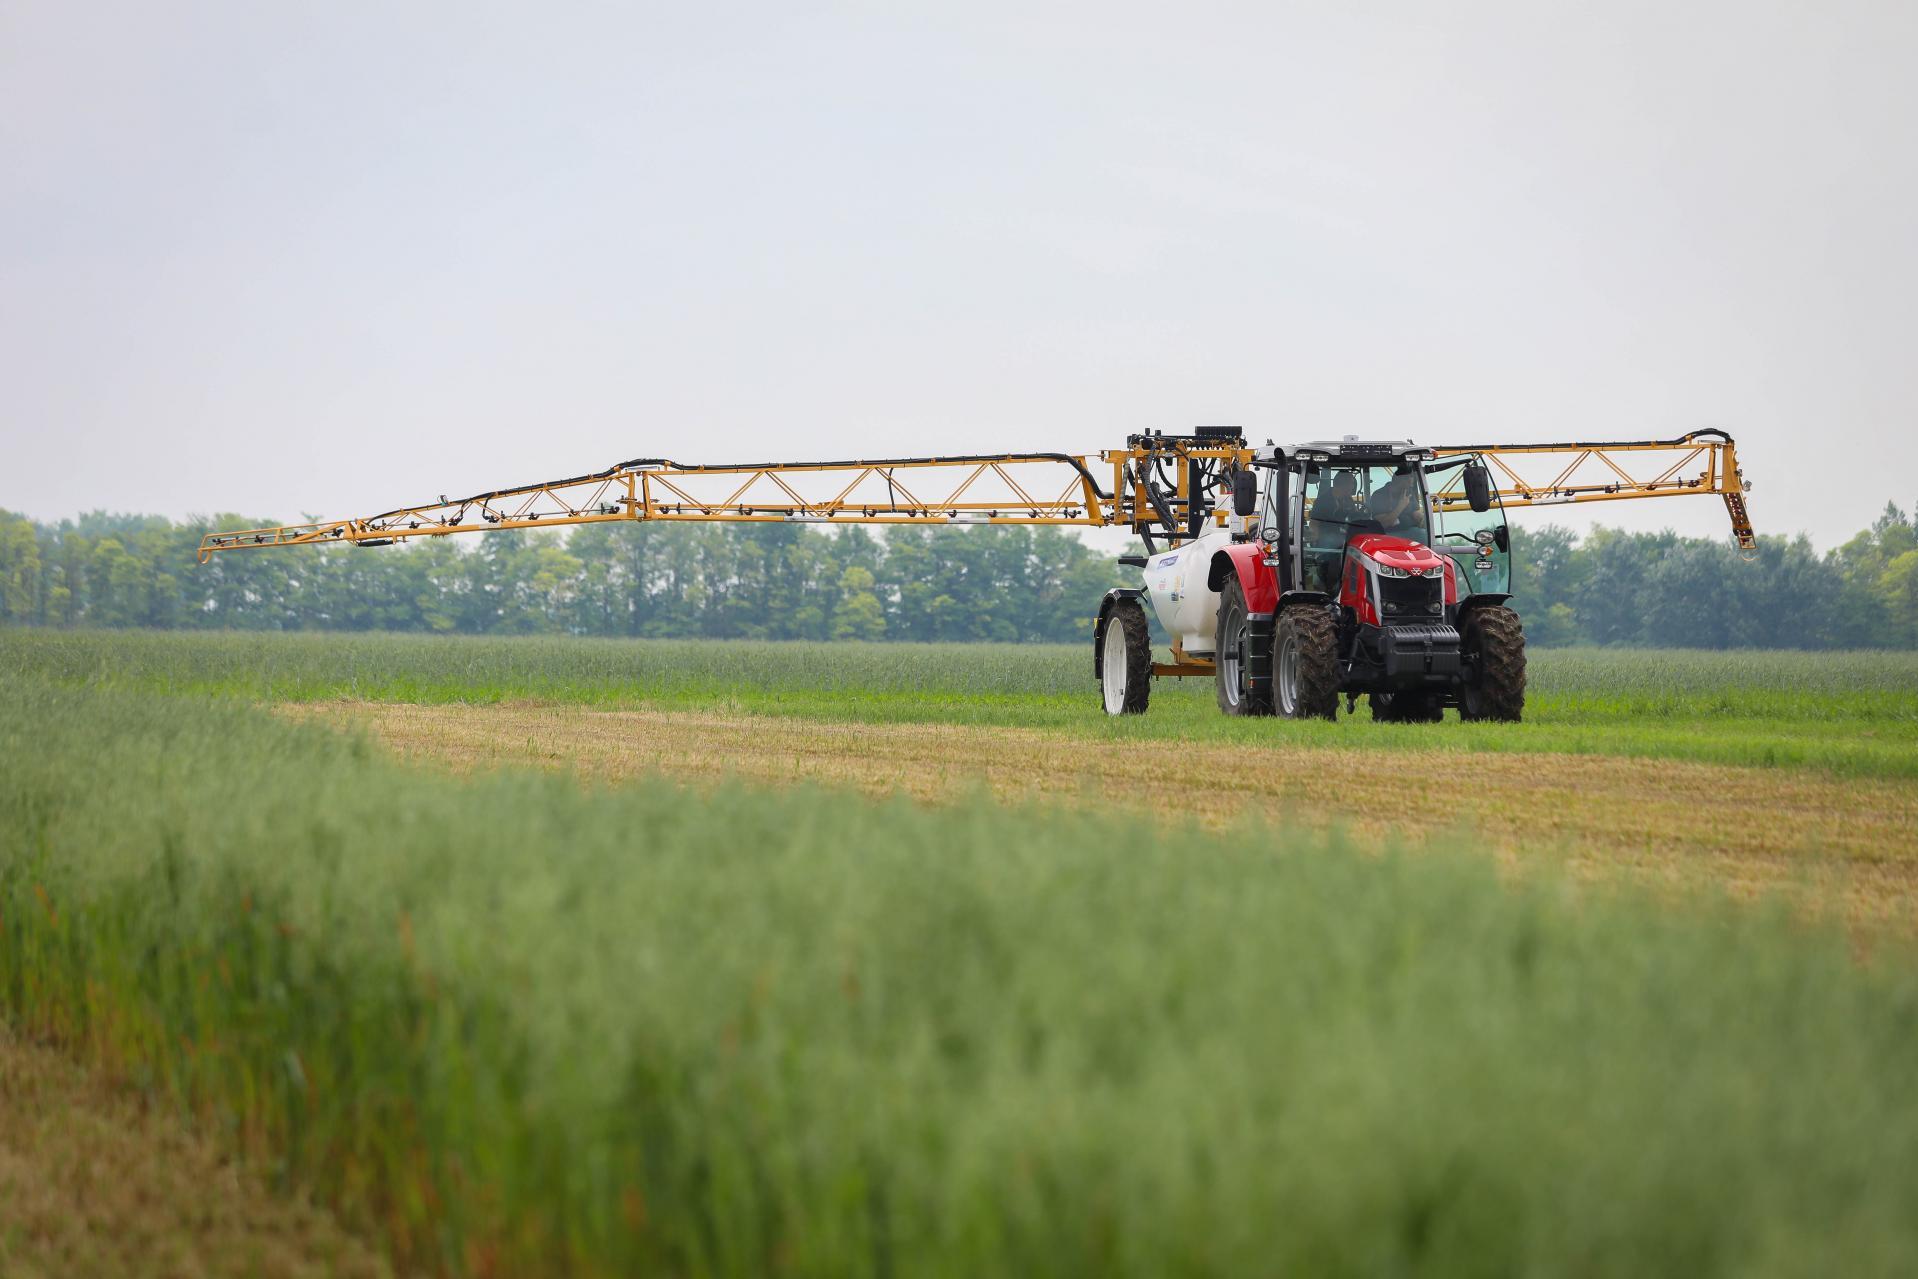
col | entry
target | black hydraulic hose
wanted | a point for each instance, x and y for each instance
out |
(1598, 444)
(609, 474)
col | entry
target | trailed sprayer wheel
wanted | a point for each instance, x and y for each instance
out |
(1125, 659)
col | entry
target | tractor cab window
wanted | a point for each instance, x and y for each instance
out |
(1343, 500)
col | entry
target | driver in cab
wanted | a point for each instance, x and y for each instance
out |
(1339, 502)
(1396, 507)
(1337, 506)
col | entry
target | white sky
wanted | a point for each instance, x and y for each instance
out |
(328, 258)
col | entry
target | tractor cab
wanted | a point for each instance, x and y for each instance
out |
(1360, 521)
(1377, 498)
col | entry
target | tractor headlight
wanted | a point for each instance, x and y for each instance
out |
(1386, 570)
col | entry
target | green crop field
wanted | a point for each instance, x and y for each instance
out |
(516, 1013)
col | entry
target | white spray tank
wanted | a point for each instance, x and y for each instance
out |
(1176, 579)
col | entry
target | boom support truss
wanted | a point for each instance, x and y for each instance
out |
(1158, 486)
(1702, 462)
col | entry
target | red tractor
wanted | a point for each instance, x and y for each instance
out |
(1339, 575)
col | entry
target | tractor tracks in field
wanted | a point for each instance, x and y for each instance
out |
(1849, 843)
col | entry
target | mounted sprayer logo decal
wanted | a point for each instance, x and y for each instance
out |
(1165, 583)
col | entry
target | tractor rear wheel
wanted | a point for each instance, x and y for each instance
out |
(1305, 663)
(1407, 708)
(1231, 655)
(1493, 645)
(1125, 659)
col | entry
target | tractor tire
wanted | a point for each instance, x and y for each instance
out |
(1231, 676)
(1125, 659)
(1407, 708)
(1493, 637)
(1305, 663)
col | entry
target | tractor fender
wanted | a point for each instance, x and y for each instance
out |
(1256, 578)
(1484, 600)
(1112, 597)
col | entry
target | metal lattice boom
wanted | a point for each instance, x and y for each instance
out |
(1158, 485)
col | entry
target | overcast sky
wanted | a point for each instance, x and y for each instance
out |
(328, 258)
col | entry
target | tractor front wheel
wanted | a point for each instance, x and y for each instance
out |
(1231, 657)
(1493, 645)
(1125, 659)
(1305, 663)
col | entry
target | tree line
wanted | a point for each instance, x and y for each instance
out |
(1662, 590)
(997, 583)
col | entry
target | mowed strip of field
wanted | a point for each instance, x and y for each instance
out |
(93, 1182)
(1849, 844)
(1841, 714)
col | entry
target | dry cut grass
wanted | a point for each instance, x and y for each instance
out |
(1850, 845)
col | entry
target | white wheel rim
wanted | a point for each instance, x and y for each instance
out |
(1112, 667)
(1229, 651)
(1289, 675)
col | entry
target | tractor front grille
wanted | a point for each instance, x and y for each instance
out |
(1411, 599)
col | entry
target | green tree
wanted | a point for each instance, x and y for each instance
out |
(122, 585)
(1548, 571)
(1898, 585)
(20, 586)
(1555, 627)
(859, 615)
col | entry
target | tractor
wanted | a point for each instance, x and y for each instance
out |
(1337, 575)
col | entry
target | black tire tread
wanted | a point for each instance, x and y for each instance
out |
(1318, 658)
(1249, 703)
(1495, 633)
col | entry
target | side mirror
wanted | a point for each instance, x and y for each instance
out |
(1502, 538)
(1478, 488)
(1245, 493)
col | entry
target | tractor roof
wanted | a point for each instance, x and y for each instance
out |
(1354, 449)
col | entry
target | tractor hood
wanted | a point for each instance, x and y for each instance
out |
(1408, 557)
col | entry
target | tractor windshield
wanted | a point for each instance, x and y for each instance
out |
(1343, 500)
(1372, 499)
